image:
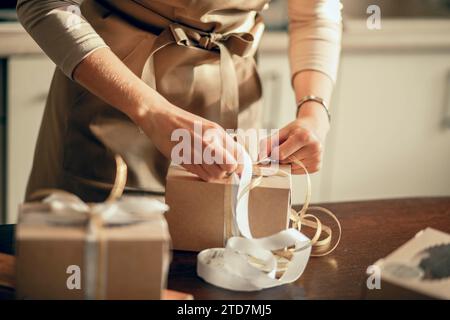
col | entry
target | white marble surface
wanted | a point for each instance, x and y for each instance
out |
(396, 34)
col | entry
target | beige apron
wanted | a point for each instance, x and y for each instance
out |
(199, 54)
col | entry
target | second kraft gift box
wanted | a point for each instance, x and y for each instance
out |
(126, 256)
(200, 215)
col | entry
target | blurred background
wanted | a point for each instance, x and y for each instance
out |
(390, 134)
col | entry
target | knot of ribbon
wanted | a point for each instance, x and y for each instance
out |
(235, 43)
(60, 208)
(210, 41)
(241, 44)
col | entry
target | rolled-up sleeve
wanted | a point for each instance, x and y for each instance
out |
(59, 29)
(315, 30)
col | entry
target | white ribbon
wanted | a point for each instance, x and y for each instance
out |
(67, 209)
(248, 264)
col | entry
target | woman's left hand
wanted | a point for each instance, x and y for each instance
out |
(302, 139)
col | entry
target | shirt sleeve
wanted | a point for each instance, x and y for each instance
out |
(315, 32)
(60, 30)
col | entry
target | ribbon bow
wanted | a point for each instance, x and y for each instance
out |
(61, 208)
(241, 44)
(235, 43)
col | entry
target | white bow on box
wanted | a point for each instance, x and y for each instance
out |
(63, 208)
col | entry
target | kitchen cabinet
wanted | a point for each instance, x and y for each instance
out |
(390, 137)
(28, 80)
(390, 134)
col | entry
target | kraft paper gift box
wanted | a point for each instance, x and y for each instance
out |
(420, 269)
(120, 261)
(199, 212)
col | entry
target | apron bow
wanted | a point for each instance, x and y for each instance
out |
(240, 44)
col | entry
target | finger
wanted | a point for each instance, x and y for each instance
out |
(236, 150)
(311, 160)
(229, 154)
(264, 148)
(268, 144)
(240, 157)
(311, 168)
(214, 172)
(283, 133)
(311, 151)
(230, 164)
(216, 154)
(215, 142)
(230, 146)
(295, 142)
(197, 170)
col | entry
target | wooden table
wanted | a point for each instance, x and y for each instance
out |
(371, 230)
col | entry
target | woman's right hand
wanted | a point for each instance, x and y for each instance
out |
(207, 150)
(104, 75)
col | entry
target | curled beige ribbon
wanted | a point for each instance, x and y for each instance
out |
(116, 192)
(302, 217)
(320, 245)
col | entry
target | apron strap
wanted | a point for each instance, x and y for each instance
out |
(241, 44)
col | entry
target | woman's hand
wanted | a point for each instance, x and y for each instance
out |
(207, 150)
(103, 74)
(302, 139)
